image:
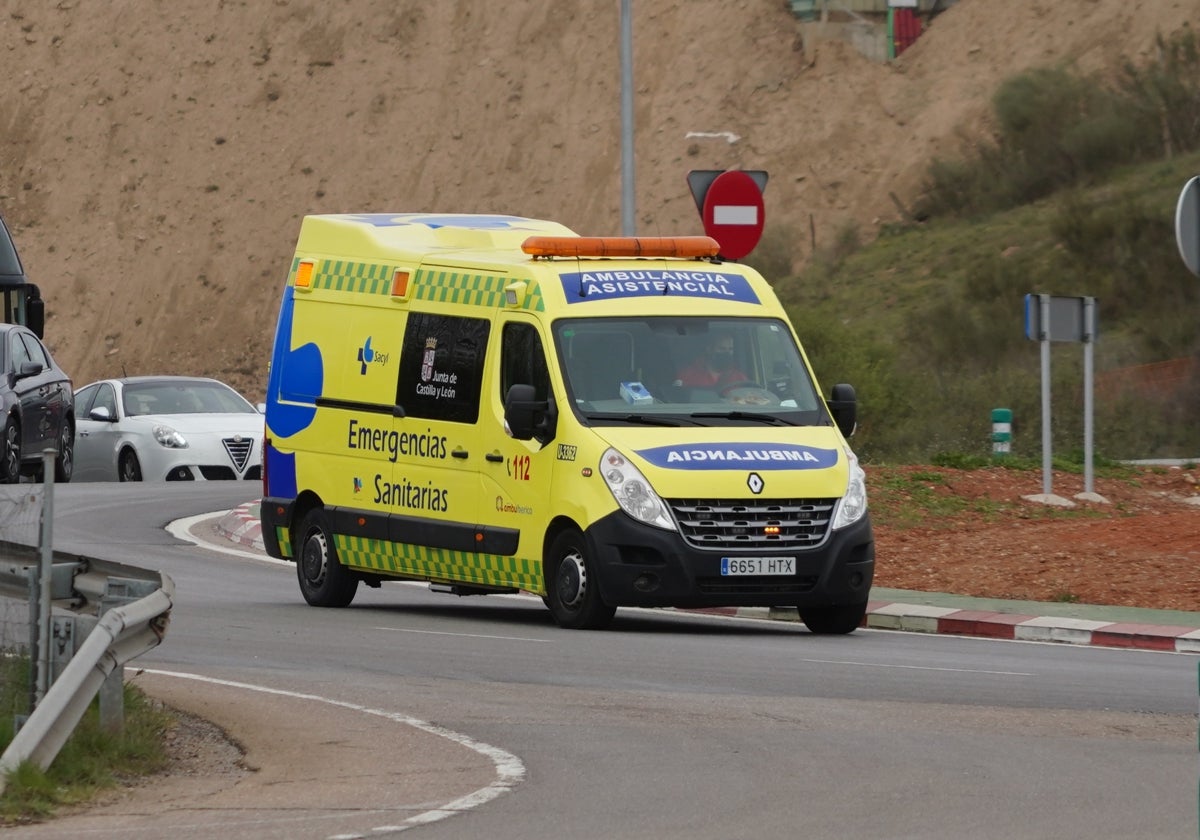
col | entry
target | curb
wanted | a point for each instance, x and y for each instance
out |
(950, 621)
(242, 525)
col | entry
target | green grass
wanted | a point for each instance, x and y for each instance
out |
(926, 319)
(92, 760)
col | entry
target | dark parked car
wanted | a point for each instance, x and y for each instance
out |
(39, 408)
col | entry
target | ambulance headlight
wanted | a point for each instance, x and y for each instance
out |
(853, 505)
(633, 492)
(169, 438)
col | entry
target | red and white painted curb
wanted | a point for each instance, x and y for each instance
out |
(922, 618)
(993, 625)
(242, 525)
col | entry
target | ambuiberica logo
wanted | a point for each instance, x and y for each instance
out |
(368, 355)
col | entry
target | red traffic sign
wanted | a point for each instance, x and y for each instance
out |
(731, 208)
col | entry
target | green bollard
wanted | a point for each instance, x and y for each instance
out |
(1001, 432)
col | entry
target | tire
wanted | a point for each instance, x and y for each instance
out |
(10, 458)
(834, 621)
(324, 581)
(572, 593)
(64, 463)
(128, 466)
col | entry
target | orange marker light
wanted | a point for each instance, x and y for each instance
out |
(304, 273)
(399, 283)
(687, 247)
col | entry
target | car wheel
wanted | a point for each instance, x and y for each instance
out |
(64, 464)
(572, 593)
(833, 621)
(10, 459)
(128, 467)
(324, 581)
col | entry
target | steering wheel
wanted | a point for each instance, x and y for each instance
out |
(748, 393)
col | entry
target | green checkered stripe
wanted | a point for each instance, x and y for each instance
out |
(349, 276)
(470, 289)
(284, 537)
(441, 564)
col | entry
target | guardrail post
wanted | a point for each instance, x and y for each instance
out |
(46, 572)
(117, 593)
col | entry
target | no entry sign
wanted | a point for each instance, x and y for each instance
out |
(731, 208)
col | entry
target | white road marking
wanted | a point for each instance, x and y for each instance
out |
(917, 667)
(464, 635)
(509, 769)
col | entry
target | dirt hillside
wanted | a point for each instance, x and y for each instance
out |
(157, 156)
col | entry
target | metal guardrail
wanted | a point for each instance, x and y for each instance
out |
(84, 586)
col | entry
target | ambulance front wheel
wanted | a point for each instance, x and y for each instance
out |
(572, 593)
(833, 621)
(324, 581)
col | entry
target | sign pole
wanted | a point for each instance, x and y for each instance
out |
(1044, 305)
(628, 211)
(1089, 341)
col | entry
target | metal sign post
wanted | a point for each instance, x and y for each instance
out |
(1049, 318)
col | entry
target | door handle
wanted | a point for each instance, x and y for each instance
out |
(495, 457)
(460, 453)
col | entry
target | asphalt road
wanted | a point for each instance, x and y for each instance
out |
(477, 717)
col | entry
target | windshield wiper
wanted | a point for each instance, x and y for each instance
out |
(769, 419)
(642, 419)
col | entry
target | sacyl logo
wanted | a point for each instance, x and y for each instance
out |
(368, 355)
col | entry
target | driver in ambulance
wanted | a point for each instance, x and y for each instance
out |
(714, 368)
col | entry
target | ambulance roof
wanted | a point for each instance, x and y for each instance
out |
(411, 236)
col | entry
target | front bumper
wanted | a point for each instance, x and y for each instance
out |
(637, 565)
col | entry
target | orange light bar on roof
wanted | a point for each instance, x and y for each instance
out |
(621, 246)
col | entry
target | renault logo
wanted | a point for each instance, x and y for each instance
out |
(755, 483)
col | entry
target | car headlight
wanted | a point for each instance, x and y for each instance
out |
(853, 505)
(169, 438)
(633, 492)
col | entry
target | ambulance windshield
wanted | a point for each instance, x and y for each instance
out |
(686, 371)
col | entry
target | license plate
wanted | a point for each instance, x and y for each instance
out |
(758, 566)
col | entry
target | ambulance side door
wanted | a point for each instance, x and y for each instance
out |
(433, 495)
(517, 476)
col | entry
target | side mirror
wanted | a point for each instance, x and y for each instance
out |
(102, 414)
(35, 313)
(527, 418)
(843, 405)
(29, 369)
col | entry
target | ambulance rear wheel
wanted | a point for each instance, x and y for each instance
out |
(833, 621)
(572, 593)
(324, 581)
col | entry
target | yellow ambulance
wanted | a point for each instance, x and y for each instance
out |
(496, 404)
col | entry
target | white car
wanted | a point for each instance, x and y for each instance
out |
(166, 428)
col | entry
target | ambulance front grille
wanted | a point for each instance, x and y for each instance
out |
(757, 523)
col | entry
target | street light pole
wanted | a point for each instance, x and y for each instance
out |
(628, 214)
